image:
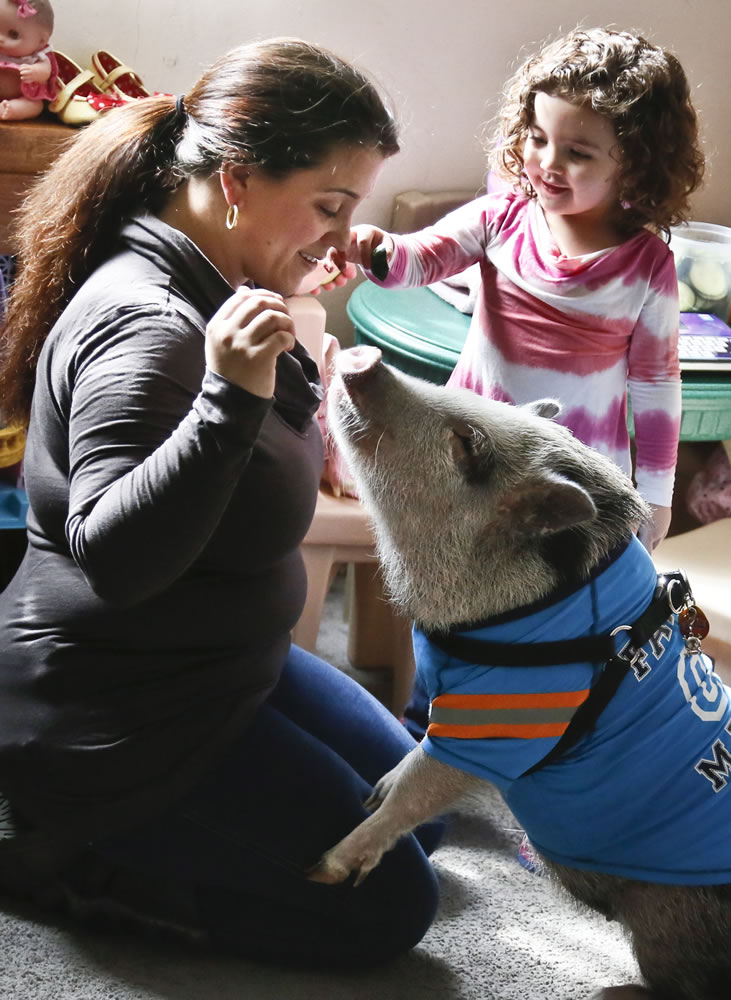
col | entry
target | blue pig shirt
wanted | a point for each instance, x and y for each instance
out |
(643, 795)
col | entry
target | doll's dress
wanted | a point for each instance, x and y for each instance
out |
(42, 91)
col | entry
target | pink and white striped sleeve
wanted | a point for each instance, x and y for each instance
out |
(654, 386)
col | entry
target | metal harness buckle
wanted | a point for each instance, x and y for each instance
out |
(673, 596)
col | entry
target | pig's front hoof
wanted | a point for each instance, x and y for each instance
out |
(329, 871)
(340, 862)
(321, 873)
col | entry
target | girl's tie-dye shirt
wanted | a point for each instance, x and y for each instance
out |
(582, 331)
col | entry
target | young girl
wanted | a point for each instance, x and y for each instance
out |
(28, 69)
(578, 298)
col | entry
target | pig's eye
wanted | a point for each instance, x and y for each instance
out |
(466, 442)
(463, 444)
(468, 452)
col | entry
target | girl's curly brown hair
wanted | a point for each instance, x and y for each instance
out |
(643, 91)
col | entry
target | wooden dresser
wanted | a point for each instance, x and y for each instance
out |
(27, 148)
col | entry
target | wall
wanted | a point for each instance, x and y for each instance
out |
(443, 65)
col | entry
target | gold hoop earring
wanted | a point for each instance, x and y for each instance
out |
(232, 217)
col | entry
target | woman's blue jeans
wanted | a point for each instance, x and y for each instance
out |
(241, 842)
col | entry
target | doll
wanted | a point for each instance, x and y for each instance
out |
(28, 69)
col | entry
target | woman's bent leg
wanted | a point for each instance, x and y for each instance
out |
(349, 727)
(244, 839)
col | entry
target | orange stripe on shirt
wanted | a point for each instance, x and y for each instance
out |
(548, 699)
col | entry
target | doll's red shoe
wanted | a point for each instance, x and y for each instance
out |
(115, 78)
(79, 101)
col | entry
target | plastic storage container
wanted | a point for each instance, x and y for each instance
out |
(703, 262)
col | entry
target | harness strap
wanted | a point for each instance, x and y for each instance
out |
(588, 648)
(672, 592)
(568, 715)
(585, 649)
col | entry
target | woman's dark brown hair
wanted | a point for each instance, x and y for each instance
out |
(643, 91)
(281, 105)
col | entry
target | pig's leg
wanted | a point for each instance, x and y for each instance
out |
(416, 790)
(681, 937)
(384, 785)
(680, 934)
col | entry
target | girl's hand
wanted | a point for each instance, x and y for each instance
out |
(653, 532)
(363, 241)
(246, 336)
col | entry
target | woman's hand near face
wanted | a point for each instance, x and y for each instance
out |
(246, 336)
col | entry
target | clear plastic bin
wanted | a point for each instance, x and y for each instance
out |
(703, 262)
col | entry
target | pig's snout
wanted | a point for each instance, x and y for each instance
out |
(355, 364)
(356, 395)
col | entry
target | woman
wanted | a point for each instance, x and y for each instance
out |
(163, 751)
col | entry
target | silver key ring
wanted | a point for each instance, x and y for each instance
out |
(672, 583)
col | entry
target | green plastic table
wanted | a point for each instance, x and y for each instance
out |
(422, 335)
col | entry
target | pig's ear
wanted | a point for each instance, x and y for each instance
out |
(543, 506)
(543, 408)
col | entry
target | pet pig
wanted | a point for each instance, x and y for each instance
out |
(511, 545)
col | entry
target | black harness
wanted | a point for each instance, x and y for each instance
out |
(672, 595)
